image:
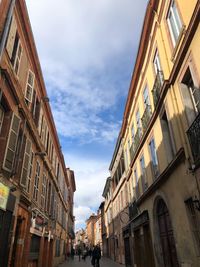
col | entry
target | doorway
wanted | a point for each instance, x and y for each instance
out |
(166, 236)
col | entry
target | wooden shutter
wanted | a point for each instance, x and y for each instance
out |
(26, 163)
(12, 143)
(11, 37)
(33, 108)
(29, 86)
(189, 108)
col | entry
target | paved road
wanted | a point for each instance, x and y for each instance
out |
(103, 263)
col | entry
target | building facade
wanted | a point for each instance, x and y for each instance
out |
(160, 142)
(34, 206)
(90, 229)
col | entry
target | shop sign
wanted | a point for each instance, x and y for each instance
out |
(4, 193)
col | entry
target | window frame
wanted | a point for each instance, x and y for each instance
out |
(36, 181)
(171, 11)
(155, 174)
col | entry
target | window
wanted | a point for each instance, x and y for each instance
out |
(12, 143)
(136, 191)
(26, 164)
(167, 137)
(13, 46)
(146, 97)
(17, 54)
(138, 122)
(156, 63)
(30, 172)
(154, 159)
(36, 182)
(132, 132)
(43, 193)
(1, 117)
(29, 87)
(191, 96)
(143, 173)
(174, 22)
(126, 159)
(194, 222)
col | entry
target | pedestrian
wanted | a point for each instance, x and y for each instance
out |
(96, 256)
(84, 254)
(79, 253)
(72, 253)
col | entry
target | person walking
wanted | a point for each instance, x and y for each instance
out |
(72, 253)
(96, 256)
(79, 253)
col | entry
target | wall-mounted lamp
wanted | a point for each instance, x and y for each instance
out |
(42, 154)
(45, 99)
(196, 203)
(13, 189)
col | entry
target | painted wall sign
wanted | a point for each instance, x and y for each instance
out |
(4, 193)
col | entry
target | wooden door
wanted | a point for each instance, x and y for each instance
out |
(127, 252)
(166, 236)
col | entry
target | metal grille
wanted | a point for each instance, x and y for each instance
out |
(193, 134)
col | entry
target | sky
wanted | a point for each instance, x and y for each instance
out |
(87, 50)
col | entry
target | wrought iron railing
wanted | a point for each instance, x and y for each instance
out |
(157, 87)
(193, 134)
(146, 117)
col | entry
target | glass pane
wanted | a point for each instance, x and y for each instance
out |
(177, 17)
(173, 27)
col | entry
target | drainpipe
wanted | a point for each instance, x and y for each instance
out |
(6, 28)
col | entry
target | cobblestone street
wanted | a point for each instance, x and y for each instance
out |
(104, 262)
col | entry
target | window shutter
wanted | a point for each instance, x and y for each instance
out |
(12, 143)
(189, 108)
(11, 37)
(26, 163)
(29, 86)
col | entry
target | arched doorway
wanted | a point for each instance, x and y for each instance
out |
(166, 235)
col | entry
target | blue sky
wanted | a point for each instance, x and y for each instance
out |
(87, 50)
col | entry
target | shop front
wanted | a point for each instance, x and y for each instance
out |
(7, 206)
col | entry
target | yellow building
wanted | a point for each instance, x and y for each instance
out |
(160, 136)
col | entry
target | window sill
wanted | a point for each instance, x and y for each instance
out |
(182, 32)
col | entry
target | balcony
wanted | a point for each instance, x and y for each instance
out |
(157, 87)
(193, 134)
(146, 117)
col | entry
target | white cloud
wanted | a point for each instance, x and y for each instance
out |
(85, 47)
(81, 44)
(90, 175)
(81, 214)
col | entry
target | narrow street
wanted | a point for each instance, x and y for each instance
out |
(104, 262)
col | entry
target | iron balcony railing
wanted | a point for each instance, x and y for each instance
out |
(146, 117)
(157, 86)
(193, 134)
